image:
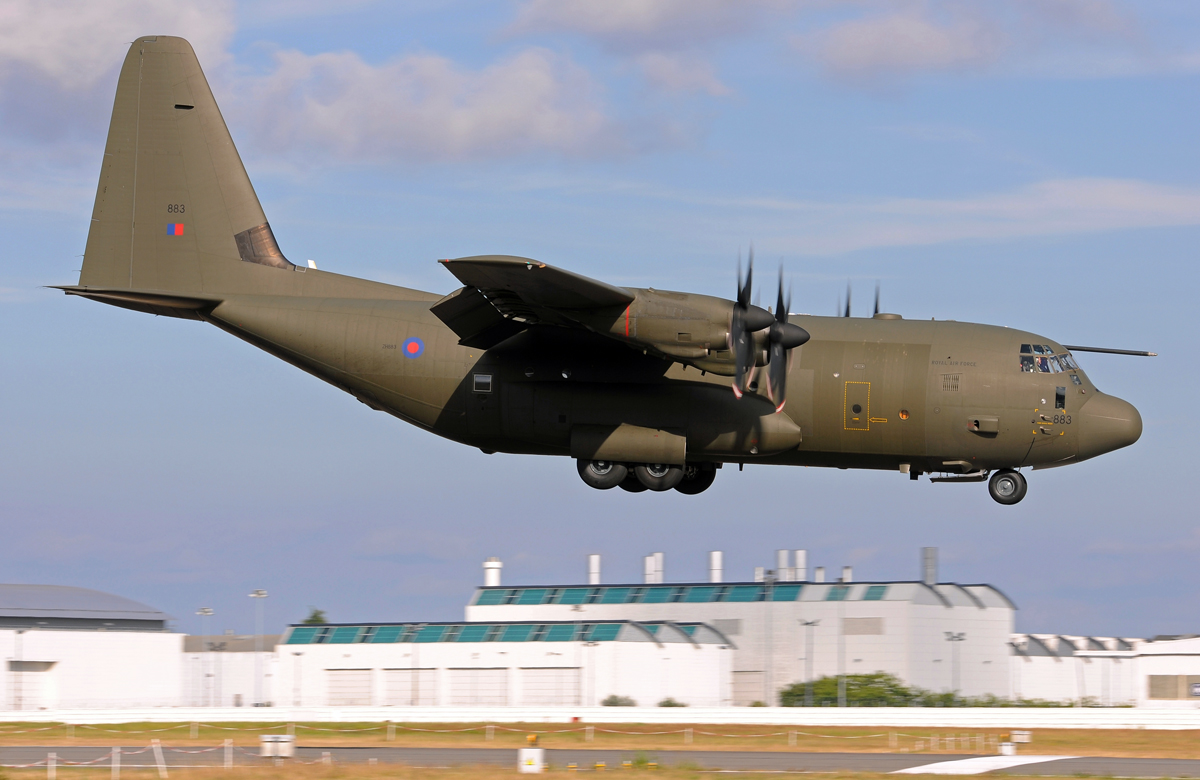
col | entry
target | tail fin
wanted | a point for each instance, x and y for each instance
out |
(175, 213)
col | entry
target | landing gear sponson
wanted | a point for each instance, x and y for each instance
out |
(689, 479)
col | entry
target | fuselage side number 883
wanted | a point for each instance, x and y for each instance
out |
(175, 208)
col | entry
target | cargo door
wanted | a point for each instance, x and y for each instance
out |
(349, 687)
(479, 687)
(550, 687)
(410, 687)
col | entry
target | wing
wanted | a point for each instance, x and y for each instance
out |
(503, 295)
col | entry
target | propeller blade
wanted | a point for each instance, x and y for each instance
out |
(847, 314)
(781, 340)
(876, 297)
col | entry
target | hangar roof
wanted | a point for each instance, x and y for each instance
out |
(63, 606)
(559, 631)
(946, 594)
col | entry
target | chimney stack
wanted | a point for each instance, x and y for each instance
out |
(658, 567)
(715, 566)
(819, 574)
(800, 573)
(491, 572)
(648, 570)
(593, 569)
(783, 572)
(847, 574)
(929, 572)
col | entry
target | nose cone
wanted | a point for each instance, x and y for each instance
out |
(1108, 424)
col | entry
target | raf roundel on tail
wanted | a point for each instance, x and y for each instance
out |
(525, 357)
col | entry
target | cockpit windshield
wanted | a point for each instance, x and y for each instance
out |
(1040, 358)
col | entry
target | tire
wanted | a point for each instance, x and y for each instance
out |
(659, 476)
(1007, 487)
(696, 479)
(602, 474)
(632, 484)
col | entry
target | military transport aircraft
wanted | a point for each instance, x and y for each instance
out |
(527, 358)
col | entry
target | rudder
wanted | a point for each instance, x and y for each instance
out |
(175, 212)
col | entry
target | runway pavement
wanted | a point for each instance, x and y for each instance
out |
(903, 763)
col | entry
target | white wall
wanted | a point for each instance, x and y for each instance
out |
(226, 679)
(645, 671)
(68, 669)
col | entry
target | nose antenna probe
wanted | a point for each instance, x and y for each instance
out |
(1107, 351)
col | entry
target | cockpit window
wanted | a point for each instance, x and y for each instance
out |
(1040, 359)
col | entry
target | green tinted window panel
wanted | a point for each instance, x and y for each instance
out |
(473, 633)
(700, 594)
(560, 633)
(302, 636)
(517, 633)
(387, 634)
(785, 592)
(689, 630)
(837, 593)
(604, 632)
(656, 595)
(652, 628)
(430, 633)
(574, 595)
(344, 635)
(323, 634)
(745, 593)
(875, 593)
(635, 596)
(615, 595)
(490, 598)
(531, 596)
(451, 633)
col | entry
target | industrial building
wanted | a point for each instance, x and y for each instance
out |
(705, 644)
(77, 648)
(545, 663)
(786, 627)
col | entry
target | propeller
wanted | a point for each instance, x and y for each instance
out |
(847, 314)
(782, 338)
(745, 320)
(876, 297)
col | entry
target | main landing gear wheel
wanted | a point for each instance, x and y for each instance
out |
(602, 474)
(696, 479)
(1007, 486)
(659, 476)
(632, 484)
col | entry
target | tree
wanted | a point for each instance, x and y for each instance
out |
(316, 617)
(878, 689)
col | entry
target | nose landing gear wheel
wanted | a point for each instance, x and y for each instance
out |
(696, 480)
(659, 476)
(602, 474)
(1007, 486)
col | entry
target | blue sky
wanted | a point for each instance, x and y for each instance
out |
(1030, 163)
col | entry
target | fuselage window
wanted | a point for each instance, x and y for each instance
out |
(1075, 380)
(1060, 398)
(483, 383)
(1040, 359)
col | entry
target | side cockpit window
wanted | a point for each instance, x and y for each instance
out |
(1040, 359)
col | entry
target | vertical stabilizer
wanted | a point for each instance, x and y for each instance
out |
(175, 211)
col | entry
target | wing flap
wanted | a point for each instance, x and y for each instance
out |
(474, 319)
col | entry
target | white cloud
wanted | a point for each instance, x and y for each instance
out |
(1054, 207)
(645, 25)
(679, 73)
(77, 43)
(423, 107)
(904, 43)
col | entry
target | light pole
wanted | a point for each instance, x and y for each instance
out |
(296, 680)
(260, 595)
(206, 655)
(769, 650)
(18, 672)
(809, 625)
(954, 638)
(842, 645)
